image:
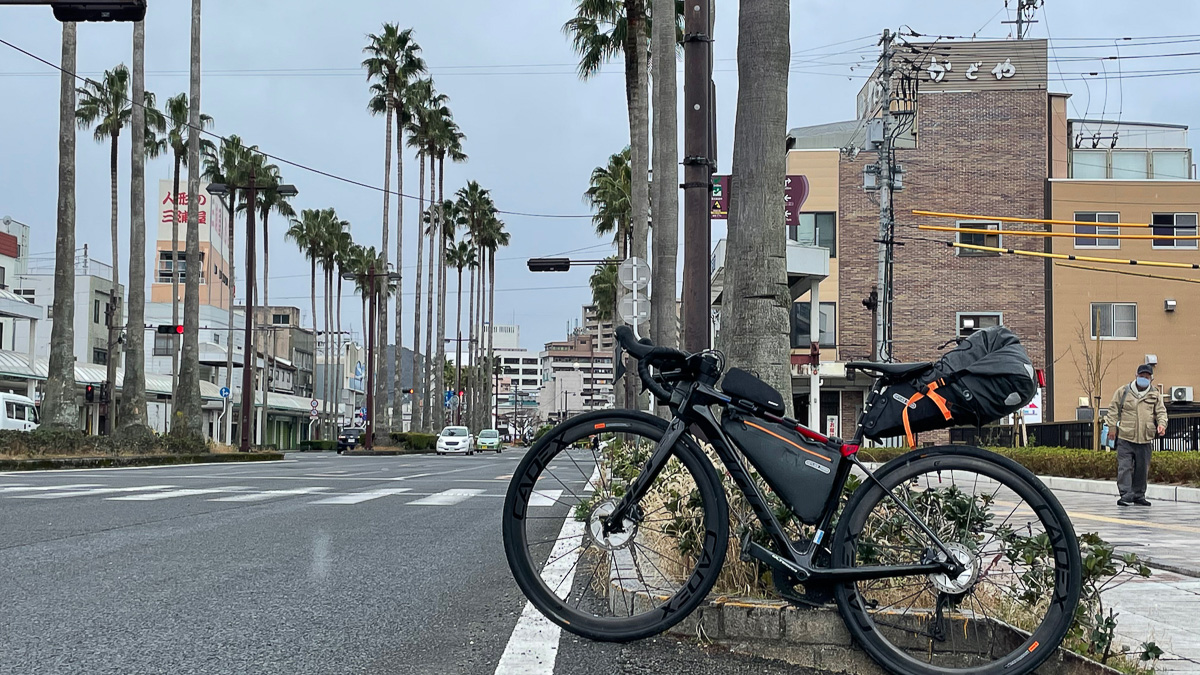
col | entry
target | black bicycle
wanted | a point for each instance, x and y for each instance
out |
(945, 560)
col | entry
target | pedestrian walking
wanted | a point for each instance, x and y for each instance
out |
(1135, 416)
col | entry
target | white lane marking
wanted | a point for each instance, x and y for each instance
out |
(13, 474)
(533, 647)
(269, 494)
(447, 497)
(359, 497)
(544, 497)
(88, 493)
(51, 487)
(171, 494)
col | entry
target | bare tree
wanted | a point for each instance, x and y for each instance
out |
(1092, 363)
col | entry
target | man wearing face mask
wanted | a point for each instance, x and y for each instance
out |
(1135, 416)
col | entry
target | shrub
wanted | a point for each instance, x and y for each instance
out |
(419, 441)
(318, 445)
(542, 431)
(1165, 467)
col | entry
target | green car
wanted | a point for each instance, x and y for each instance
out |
(489, 439)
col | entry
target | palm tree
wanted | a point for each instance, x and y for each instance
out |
(421, 97)
(476, 209)
(756, 277)
(460, 256)
(189, 365)
(603, 283)
(343, 251)
(609, 195)
(307, 232)
(147, 127)
(107, 105)
(335, 232)
(178, 133)
(443, 220)
(599, 31)
(449, 144)
(226, 166)
(492, 237)
(394, 62)
(664, 196)
(357, 261)
(58, 404)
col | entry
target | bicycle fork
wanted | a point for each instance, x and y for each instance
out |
(650, 470)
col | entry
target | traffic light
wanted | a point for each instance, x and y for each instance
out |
(89, 393)
(549, 264)
(169, 329)
(406, 391)
(100, 10)
(104, 392)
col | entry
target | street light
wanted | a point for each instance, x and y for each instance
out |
(220, 190)
(369, 422)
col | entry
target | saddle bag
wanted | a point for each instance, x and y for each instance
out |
(797, 469)
(987, 376)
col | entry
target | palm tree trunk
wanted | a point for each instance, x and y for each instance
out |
(268, 333)
(382, 308)
(59, 410)
(469, 399)
(189, 360)
(417, 367)
(340, 357)
(458, 348)
(427, 382)
(313, 289)
(175, 290)
(756, 275)
(480, 340)
(329, 389)
(397, 416)
(114, 298)
(665, 327)
(133, 387)
(440, 372)
(491, 332)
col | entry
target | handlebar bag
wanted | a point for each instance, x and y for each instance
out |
(800, 471)
(743, 386)
(987, 376)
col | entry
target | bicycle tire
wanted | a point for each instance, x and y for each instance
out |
(527, 572)
(1019, 651)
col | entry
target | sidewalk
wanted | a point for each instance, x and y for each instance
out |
(1164, 608)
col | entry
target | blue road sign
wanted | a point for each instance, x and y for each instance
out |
(224, 392)
(358, 369)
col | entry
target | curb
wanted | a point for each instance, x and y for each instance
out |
(813, 638)
(1166, 493)
(142, 460)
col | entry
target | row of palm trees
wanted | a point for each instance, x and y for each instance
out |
(418, 116)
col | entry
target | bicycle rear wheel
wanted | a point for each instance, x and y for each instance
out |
(1016, 599)
(615, 586)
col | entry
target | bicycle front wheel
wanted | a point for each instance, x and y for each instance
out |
(614, 585)
(1015, 599)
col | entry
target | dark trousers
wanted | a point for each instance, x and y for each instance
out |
(1133, 466)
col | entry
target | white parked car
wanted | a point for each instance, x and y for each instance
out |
(17, 412)
(454, 440)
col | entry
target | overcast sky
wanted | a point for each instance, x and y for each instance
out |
(285, 75)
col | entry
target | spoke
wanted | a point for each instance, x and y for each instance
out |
(656, 568)
(568, 573)
(586, 477)
(560, 482)
(616, 567)
(587, 587)
(668, 558)
(896, 602)
(577, 548)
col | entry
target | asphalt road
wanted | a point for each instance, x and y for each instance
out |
(317, 564)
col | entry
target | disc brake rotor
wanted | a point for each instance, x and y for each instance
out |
(611, 541)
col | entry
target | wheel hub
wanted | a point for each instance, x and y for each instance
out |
(965, 579)
(610, 541)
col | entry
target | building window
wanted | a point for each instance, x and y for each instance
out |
(28, 293)
(279, 319)
(100, 357)
(1098, 238)
(1114, 320)
(969, 323)
(96, 311)
(1177, 224)
(801, 325)
(166, 266)
(816, 229)
(163, 344)
(978, 238)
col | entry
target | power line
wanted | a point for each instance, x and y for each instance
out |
(289, 162)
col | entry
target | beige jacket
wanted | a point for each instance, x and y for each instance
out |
(1137, 421)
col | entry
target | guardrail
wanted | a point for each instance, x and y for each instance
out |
(1183, 435)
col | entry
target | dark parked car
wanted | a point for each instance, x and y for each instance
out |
(349, 437)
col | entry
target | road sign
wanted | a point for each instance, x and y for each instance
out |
(795, 193)
(224, 392)
(720, 197)
(363, 411)
(627, 309)
(358, 369)
(313, 413)
(315, 404)
(634, 273)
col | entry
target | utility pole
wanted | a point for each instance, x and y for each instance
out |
(114, 340)
(1025, 12)
(698, 166)
(883, 170)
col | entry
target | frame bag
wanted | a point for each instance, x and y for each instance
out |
(987, 376)
(800, 471)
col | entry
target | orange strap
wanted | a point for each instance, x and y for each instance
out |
(938, 400)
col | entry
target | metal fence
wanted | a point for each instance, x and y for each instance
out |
(1183, 435)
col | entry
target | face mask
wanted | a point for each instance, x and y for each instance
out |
(1142, 382)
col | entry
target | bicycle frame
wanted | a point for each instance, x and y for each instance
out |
(694, 412)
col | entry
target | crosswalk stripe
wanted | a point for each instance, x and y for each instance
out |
(359, 497)
(171, 494)
(268, 494)
(50, 487)
(544, 497)
(89, 493)
(447, 497)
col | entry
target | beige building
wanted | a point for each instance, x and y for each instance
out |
(214, 247)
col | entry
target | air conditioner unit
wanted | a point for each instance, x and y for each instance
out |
(1181, 394)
